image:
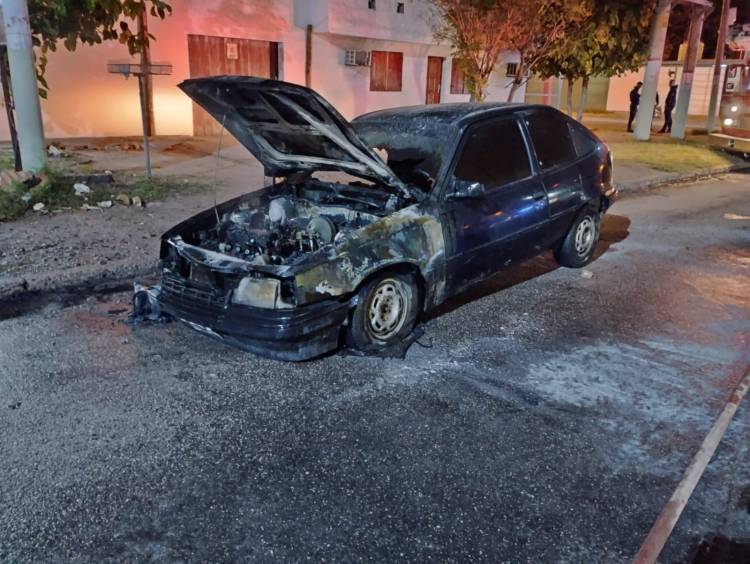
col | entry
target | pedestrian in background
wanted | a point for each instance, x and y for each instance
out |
(635, 99)
(669, 105)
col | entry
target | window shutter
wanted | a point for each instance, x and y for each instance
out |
(378, 70)
(386, 70)
(395, 67)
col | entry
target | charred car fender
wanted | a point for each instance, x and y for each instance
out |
(411, 236)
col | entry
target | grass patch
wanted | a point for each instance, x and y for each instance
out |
(56, 191)
(12, 204)
(668, 156)
(156, 187)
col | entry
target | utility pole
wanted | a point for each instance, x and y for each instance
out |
(697, 17)
(716, 85)
(23, 82)
(656, 50)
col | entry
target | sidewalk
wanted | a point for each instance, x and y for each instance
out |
(45, 253)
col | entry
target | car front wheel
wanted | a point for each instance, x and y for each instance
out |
(386, 311)
(577, 249)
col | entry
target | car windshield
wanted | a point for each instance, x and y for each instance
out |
(415, 146)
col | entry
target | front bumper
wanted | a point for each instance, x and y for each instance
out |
(298, 333)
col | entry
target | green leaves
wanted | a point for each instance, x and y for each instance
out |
(89, 21)
(611, 40)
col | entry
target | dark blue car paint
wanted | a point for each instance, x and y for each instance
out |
(452, 243)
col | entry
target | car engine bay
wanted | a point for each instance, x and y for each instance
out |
(283, 230)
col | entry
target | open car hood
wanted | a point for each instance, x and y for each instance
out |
(288, 128)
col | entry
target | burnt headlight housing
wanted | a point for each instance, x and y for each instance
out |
(266, 293)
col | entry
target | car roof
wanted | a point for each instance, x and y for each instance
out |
(448, 114)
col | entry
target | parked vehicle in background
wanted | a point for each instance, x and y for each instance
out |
(734, 110)
(436, 198)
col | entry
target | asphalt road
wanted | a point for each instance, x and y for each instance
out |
(545, 416)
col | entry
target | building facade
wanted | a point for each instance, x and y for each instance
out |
(361, 55)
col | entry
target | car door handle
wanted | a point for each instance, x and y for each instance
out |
(539, 196)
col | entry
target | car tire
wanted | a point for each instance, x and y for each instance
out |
(385, 314)
(579, 245)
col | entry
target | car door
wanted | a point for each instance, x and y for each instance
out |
(557, 162)
(491, 224)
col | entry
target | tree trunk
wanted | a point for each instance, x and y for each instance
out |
(5, 80)
(569, 101)
(517, 80)
(584, 95)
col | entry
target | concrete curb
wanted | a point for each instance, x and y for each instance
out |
(667, 179)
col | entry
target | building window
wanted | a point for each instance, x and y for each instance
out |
(458, 78)
(371, 4)
(386, 68)
(400, 8)
(511, 69)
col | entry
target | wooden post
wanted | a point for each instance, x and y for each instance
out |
(308, 56)
(147, 81)
(144, 119)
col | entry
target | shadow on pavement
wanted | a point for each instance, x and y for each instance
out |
(614, 228)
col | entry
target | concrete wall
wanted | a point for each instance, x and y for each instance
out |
(348, 88)
(354, 18)
(618, 98)
(85, 101)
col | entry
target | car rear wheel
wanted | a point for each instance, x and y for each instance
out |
(386, 311)
(577, 249)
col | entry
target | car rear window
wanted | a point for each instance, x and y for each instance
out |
(552, 139)
(583, 142)
(494, 154)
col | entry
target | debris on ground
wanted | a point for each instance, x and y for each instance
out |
(138, 202)
(123, 147)
(123, 199)
(81, 189)
(105, 204)
(10, 176)
(146, 307)
(587, 274)
(55, 152)
(398, 350)
(39, 206)
(94, 178)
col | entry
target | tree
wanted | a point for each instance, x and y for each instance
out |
(610, 38)
(533, 27)
(90, 22)
(474, 28)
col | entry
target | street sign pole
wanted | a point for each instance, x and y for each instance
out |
(144, 122)
(143, 72)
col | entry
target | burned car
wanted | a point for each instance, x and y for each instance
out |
(370, 223)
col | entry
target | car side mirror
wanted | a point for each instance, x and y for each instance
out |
(464, 190)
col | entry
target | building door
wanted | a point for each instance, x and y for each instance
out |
(434, 79)
(212, 56)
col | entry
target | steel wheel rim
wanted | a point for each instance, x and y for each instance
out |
(585, 234)
(386, 311)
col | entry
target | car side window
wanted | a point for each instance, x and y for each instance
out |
(494, 154)
(552, 140)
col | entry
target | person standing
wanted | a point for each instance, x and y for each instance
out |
(669, 105)
(635, 99)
